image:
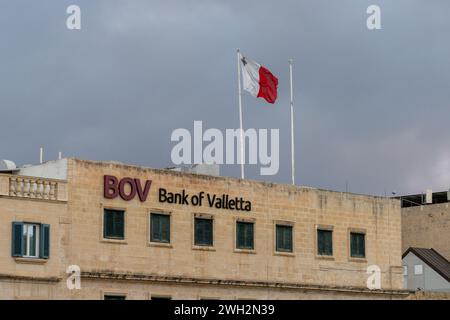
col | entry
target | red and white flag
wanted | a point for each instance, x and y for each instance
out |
(259, 81)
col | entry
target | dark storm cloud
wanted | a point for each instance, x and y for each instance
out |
(371, 106)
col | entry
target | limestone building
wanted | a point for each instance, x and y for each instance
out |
(426, 222)
(140, 233)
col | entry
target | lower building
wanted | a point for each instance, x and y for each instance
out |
(76, 229)
(426, 270)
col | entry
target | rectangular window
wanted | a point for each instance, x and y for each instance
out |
(30, 240)
(160, 228)
(325, 242)
(244, 235)
(114, 297)
(203, 233)
(357, 245)
(283, 238)
(418, 269)
(161, 298)
(114, 224)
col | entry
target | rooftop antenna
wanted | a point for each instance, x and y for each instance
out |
(59, 155)
(41, 155)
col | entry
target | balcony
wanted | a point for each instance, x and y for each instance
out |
(32, 188)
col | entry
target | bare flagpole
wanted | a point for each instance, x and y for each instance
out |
(240, 113)
(292, 123)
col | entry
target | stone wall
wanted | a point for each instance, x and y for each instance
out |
(427, 227)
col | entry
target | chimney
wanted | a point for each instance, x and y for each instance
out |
(41, 155)
(429, 196)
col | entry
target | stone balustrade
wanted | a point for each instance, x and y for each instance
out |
(33, 188)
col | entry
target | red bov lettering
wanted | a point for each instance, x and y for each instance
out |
(143, 193)
(111, 187)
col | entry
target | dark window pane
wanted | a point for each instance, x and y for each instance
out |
(357, 245)
(325, 242)
(158, 298)
(114, 297)
(244, 235)
(284, 238)
(113, 224)
(160, 228)
(203, 232)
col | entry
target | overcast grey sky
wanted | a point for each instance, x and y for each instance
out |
(372, 107)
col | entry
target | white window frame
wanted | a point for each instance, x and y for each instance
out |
(26, 232)
(418, 269)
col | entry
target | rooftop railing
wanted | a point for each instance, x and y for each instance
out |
(33, 188)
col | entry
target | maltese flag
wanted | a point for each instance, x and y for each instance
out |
(259, 81)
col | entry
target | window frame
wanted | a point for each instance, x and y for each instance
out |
(117, 295)
(236, 241)
(195, 245)
(284, 226)
(405, 270)
(156, 241)
(103, 225)
(26, 245)
(328, 228)
(418, 269)
(357, 232)
(274, 237)
(160, 297)
(21, 240)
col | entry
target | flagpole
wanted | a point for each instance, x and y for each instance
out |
(240, 113)
(292, 123)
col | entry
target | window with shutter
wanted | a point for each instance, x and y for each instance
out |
(284, 241)
(30, 240)
(325, 242)
(357, 245)
(114, 297)
(160, 228)
(203, 232)
(244, 235)
(114, 224)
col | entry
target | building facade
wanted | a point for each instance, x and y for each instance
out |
(140, 233)
(426, 225)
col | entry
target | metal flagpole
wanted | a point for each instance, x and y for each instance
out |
(292, 124)
(240, 113)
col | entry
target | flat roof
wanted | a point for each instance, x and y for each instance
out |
(415, 200)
